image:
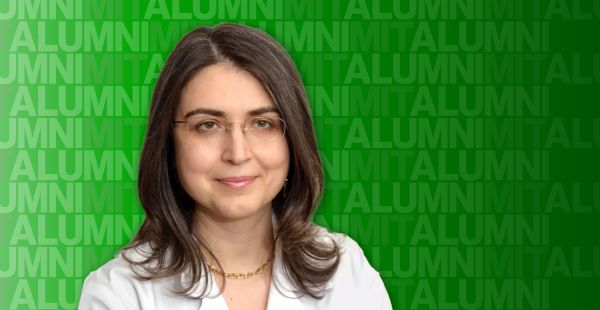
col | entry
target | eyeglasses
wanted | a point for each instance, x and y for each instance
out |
(210, 130)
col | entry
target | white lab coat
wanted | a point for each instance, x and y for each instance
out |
(355, 285)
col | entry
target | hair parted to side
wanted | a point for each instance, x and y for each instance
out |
(167, 228)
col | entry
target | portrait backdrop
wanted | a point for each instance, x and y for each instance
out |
(460, 139)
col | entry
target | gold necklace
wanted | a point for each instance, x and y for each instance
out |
(242, 275)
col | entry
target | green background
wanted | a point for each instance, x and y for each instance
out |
(460, 139)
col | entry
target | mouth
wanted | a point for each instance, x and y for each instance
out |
(237, 182)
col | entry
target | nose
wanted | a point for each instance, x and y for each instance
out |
(236, 149)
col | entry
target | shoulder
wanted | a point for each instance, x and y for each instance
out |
(115, 286)
(111, 286)
(353, 261)
(351, 253)
(356, 283)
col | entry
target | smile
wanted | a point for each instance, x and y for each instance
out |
(237, 182)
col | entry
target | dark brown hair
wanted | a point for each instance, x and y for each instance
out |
(167, 228)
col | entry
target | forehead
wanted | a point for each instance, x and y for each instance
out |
(225, 88)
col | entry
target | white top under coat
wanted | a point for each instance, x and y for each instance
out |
(355, 285)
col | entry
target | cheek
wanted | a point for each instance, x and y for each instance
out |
(192, 165)
(276, 159)
(188, 160)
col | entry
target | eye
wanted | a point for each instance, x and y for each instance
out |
(206, 125)
(263, 123)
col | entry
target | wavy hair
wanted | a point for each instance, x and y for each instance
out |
(169, 210)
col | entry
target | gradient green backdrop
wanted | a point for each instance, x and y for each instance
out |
(460, 139)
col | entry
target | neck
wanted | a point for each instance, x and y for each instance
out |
(240, 246)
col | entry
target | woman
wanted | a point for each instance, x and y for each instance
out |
(229, 179)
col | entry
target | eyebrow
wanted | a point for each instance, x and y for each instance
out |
(218, 113)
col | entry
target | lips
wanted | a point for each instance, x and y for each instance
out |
(237, 182)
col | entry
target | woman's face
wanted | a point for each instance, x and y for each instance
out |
(229, 175)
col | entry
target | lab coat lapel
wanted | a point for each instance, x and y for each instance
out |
(282, 294)
(214, 299)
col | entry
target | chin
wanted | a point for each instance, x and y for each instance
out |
(238, 210)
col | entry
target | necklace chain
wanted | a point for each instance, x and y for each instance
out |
(242, 275)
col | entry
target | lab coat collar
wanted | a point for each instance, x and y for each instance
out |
(282, 293)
